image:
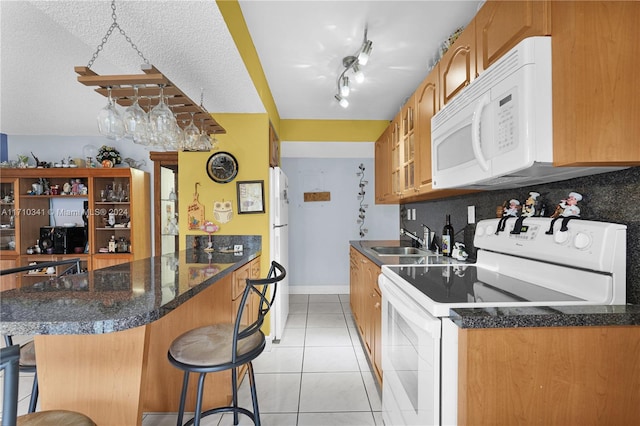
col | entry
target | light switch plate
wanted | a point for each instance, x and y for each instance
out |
(237, 248)
(471, 214)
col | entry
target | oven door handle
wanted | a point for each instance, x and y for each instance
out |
(409, 308)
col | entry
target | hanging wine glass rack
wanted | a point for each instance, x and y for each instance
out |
(149, 84)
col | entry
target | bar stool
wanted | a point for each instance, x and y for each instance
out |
(28, 365)
(227, 346)
(9, 365)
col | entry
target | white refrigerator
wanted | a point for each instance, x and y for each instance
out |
(279, 246)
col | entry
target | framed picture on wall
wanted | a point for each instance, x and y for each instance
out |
(250, 196)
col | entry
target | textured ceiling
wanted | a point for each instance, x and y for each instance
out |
(300, 45)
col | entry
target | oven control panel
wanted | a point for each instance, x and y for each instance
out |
(586, 244)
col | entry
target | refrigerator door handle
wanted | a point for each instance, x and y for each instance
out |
(279, 226)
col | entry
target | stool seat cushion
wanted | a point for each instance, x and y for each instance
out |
(28, 354)
(211, 345)
(55, 417)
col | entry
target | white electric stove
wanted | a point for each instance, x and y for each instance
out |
(538, 266)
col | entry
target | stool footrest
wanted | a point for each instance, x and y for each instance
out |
(227, 409)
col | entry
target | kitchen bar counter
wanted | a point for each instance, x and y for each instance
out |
(116, 298)
(506, 317)
(101, 338)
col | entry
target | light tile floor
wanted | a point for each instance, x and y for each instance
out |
(318, 375)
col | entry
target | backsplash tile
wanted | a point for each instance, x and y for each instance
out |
(608, 197)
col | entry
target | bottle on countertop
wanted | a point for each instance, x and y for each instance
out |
(447, 237)
(112, 244)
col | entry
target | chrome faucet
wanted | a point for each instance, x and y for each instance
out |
(418, 240)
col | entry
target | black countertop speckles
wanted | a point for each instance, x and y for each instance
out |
(547, 316)
(115, 298)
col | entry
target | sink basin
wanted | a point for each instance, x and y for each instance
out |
(399, 251)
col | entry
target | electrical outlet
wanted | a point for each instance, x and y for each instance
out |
(471, 214)
(413, 214)
(408, 214)
(237, 248)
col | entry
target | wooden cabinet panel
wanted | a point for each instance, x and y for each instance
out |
(8, 282)
(103, 261)
(354, 283)
(596, 55)
(407, 139)
(376, 334)
(383, 167)
(396, 155)
(366, 306)
(427, 105)
(549, 376)
(500, 25)
(240, 276)
(458, 65)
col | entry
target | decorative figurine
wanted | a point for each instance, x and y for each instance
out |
(528, 210)
(567, 209)
(511, 211)
(531, 205)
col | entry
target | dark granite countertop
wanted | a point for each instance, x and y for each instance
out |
(546, 316)
(116, 298)
(506, 317)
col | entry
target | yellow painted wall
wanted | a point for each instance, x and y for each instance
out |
(247, 139)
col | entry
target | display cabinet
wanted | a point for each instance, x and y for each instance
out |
(9, 239)
(59, 213)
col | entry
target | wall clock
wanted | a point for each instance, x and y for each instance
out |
(222, 167)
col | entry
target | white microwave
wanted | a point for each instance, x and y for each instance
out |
(497, 132)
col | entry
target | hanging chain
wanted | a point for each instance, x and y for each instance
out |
(109, 31)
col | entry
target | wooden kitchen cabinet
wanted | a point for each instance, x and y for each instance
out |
(549, 375)
(382, 167)
(416, 146)
(366, 306)
(355, 286)
(457, 67)
(500, 25)
(239, 282)
(407, 152)
(594, 49)
(427, 105)
(396, 155)
(123, 192)
(596, 56)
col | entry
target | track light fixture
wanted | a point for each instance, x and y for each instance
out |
(354, 64)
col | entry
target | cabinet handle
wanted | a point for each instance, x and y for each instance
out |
(377, 305)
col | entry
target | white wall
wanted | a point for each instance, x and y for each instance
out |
(55, 148)
(319, 232)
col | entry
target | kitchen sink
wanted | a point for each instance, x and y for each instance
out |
(400, 251)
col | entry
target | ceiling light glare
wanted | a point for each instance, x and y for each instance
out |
(342, 101)
(358, 76)
(344, 87)
(363, 56)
